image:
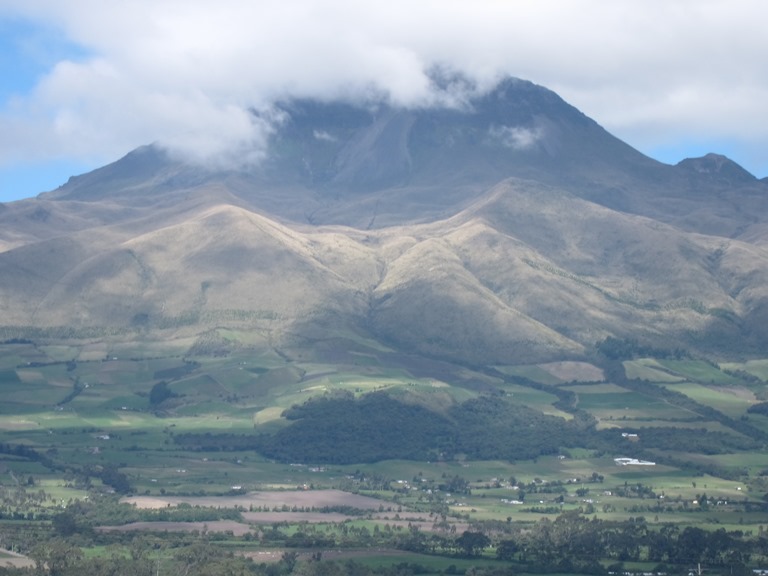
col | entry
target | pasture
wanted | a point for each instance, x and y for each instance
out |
(615, 407)
(699, 371)
(88, 406)
(757, 368)
(651, 370)
(728, 399)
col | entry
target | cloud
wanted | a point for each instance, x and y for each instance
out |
(516, 137)
(186, 73)
(323, 135)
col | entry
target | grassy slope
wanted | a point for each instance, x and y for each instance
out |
(526, 273)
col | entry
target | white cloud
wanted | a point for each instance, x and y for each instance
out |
(323, 135)
(516, 137)
(186, 72)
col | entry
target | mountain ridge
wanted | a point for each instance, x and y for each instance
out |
(512, 229)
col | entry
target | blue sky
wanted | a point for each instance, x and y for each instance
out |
(28, 51)
(86, 81)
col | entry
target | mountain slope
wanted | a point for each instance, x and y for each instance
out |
(511, 229)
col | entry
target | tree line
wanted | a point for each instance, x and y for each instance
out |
(571, 543)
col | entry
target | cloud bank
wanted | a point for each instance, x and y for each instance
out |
(187, 73)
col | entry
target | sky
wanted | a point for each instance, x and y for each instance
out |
(83, 82)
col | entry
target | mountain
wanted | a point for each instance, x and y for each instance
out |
(508, 228)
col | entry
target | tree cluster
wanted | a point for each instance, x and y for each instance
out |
(345, 430)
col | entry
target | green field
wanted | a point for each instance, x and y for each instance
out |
(651, 370)
(87, 408)
(730, 400)
(616, 407)
(699, 371)
(758, 368)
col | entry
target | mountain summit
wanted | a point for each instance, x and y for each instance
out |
(506, 228)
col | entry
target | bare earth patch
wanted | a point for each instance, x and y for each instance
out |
(290, 498)
(14, 560)
(18, 425)
(404, 519)
(294, 517)
(579, 371)
(27, 376)
(237, 528)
